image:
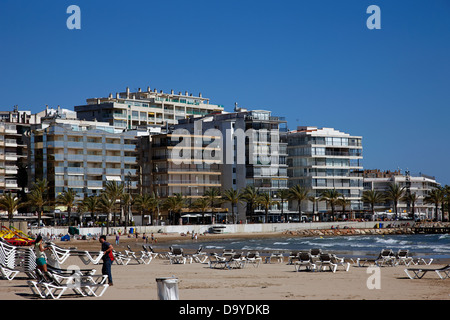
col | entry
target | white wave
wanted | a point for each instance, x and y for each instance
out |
(214, 247)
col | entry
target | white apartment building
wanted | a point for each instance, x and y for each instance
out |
(420, 184)
(82, 155)
(325, 158)
(129, 110)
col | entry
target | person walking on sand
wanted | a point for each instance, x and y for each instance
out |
(107, 258)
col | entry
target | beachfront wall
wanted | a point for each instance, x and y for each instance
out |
(229, 228)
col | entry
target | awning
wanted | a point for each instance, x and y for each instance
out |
(113, 178)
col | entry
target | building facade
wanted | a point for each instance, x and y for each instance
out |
(253, 153)
(129, 110)
(82, 155)
(14, 125)
(420, 184)
(322, 159)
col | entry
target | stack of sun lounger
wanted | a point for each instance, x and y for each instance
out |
(53, 285)
(14, 260)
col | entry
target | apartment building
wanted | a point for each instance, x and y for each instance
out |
(322, 159)
(82, 155)
(420, 184)
(129, 110)
(253, 153)
(13, 150)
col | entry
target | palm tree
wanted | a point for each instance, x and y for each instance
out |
(435, 197)
(283, 194)
(313, 199)
(372, 197)
(331, 196)
(126, 201)
(412, 198)
(91, 204)
(115, 190)
(394, 193)
(266, 201)
(250, 196)
(214, 197)
(447, 197)
(147, 203)
(107, 204)
(68, 199)
(203, 204)
(299, 194)
(38, 197)
(10, 204)
(234, 197)
(344, 202)
(174, 205)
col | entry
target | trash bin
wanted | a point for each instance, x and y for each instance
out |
(167, 288)
(381, 225)
(131, 230)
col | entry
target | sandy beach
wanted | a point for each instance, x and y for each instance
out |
(274, 281)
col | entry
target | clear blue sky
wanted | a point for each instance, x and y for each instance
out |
(314, 62)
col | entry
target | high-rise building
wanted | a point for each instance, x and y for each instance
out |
(253, 153)
(13, 150)
(82, 155)
(129, 110)
(324, 158)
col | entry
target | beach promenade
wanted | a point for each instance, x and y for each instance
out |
(274, 281)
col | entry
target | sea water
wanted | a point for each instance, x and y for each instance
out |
(436, 246)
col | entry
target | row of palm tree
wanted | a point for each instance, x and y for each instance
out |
(396, 193)
(114, 198)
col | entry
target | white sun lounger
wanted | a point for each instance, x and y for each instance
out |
(419, 273)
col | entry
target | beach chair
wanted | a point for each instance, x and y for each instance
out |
(315, 252)
(150, 251)
(85, 285)
(386, 258)
(326, 261)
(420, 261)
(419, 273)
(253, 258)
(278, 256)
(293, 256)
(200, 256)
(366, 262)
(304, 261)
(237, 260)
(142, 257)
(121, 258)
(7, 272)
(68, 272)
(87, 257)
(177, 256)
(403, 257)
(340, 262)
(216, 261)
(228, 253)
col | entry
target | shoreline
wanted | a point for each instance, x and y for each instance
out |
(164, 240)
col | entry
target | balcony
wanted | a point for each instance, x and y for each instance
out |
(95, 171)
(95, 184)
